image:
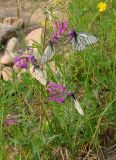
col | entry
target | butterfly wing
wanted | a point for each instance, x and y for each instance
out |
(48, 54)
(38, 74)
(87, 38)
(78, 44)
(81, 40)
(78, 107)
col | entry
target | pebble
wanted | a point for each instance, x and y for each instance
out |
(10, 53)
(6, 32)
(14, 21)
(35, 35)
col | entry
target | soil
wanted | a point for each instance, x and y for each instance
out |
(31, 11)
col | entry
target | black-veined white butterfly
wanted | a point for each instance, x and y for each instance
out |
(38, 74)
(48, 53)
(77, 105)
(80, 40)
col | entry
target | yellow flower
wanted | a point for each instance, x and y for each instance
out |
(102, 6)
(57, 2)
(43, 23)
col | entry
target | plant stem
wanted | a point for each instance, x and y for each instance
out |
(44, 38)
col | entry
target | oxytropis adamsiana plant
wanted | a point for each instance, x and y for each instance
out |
(58, 93)
(78, 40)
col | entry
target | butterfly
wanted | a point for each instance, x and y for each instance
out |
(77, 105)
(80, 40)
(48, 53)
(38, 74)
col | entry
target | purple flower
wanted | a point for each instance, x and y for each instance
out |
(71, 34)
(57, 92)
(17, 59)
(23, 61)
(31, 58)
(29, 48)
(10, 121)
(54, 37)
(59, 29)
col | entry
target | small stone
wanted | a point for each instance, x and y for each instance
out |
(10, 54)
(12, 45)
(7, 58)
(14, 21)
(6, 32)
(34, 36)
(7, 73)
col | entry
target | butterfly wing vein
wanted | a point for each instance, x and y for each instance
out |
(47, 55)
(82, 40)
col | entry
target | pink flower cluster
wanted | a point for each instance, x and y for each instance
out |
(57, 92)
(59, 29)
(23, 61)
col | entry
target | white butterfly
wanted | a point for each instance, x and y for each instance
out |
(77, 105)
(48, 53)
(81, 39)
(38, 74)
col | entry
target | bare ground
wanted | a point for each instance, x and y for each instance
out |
(30, 11)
